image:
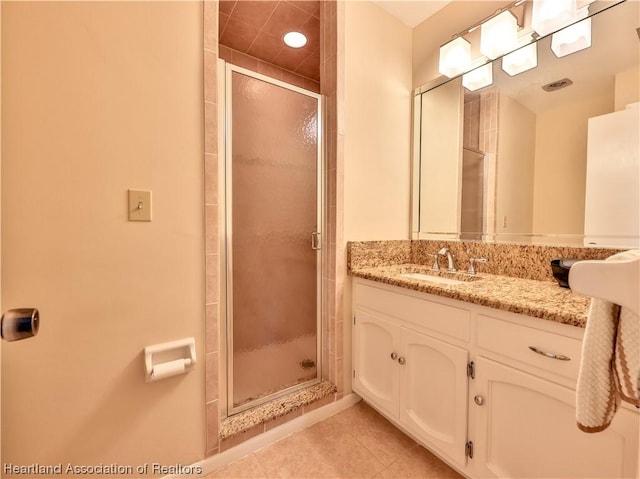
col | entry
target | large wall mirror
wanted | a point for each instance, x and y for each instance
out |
(509, 162)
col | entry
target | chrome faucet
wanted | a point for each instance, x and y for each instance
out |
(451, 262)
(472, 263)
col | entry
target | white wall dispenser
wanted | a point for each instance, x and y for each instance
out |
(169, 359)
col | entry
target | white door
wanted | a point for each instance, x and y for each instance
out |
(526, 427)
(375, 352)
(433, 393)
(613, 180)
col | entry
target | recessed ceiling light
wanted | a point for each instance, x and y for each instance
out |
(295, 40)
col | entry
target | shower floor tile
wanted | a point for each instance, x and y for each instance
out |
(274, 367)
(355, 443)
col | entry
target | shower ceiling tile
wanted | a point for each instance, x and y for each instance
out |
(253, 13)
(222, 23)
(226, 6)
(238, 35)
(311, 29)
(256, 28)
(291, 58)
(285, 18)
(310, 67)
(266, 47)
(309, 7)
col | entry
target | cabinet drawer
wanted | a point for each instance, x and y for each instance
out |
(514, 341)
(437, 317)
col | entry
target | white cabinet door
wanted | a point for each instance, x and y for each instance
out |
(526, 428)
(434, 393)
(376, 373)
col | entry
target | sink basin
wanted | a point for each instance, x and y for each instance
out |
(431, 278)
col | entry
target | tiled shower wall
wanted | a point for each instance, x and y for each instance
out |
(488, 143)
(211, 200)
(259, 66)
(332, 13)
(331, 70)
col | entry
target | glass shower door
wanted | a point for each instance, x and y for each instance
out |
(273, 224)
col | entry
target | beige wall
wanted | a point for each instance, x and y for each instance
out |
(627, 88)
(438, 30)
(377, 129)
(99, 97)
(377, 124)
(561, 162)
(515, 167)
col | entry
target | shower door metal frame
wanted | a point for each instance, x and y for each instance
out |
(227, 247)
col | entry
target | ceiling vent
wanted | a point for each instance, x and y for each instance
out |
(557, 85)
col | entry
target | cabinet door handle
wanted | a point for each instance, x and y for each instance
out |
(402, 361)
(479, 400)
(559, 357)
(394, 356)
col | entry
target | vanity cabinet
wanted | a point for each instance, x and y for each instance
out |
(526, 427)
(376, 373)
(528, 395)
(464, 379)
(433, 393)
(418, 380)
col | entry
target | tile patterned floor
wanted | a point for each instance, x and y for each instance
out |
(356, 443)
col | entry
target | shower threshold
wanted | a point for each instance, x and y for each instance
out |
(276, 408)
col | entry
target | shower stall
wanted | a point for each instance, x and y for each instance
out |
(273, 218)
(472, 208)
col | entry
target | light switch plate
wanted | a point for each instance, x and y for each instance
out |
(139, 205)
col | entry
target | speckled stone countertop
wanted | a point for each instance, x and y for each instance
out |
(540, 299)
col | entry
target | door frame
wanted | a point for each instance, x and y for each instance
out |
(226, 286)
(1, 3)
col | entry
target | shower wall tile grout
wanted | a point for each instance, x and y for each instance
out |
(212, 259)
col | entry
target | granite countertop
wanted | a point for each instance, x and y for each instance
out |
(540, 299)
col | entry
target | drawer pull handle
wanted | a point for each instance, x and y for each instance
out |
(394, 356)
(559, 357)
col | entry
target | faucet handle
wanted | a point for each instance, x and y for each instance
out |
(436, 265)
(472, 262)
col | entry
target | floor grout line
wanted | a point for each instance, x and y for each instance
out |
(350, 434)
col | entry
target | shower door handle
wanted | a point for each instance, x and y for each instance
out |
(315, 240)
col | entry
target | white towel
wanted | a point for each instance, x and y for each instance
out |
(610, 362)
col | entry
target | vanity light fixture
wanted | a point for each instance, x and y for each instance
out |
(521, 60)
(478, 78)
(499, 35)
(548, 16)
(455, 57)
(295, 39)
(517, 26)
(572, 38)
